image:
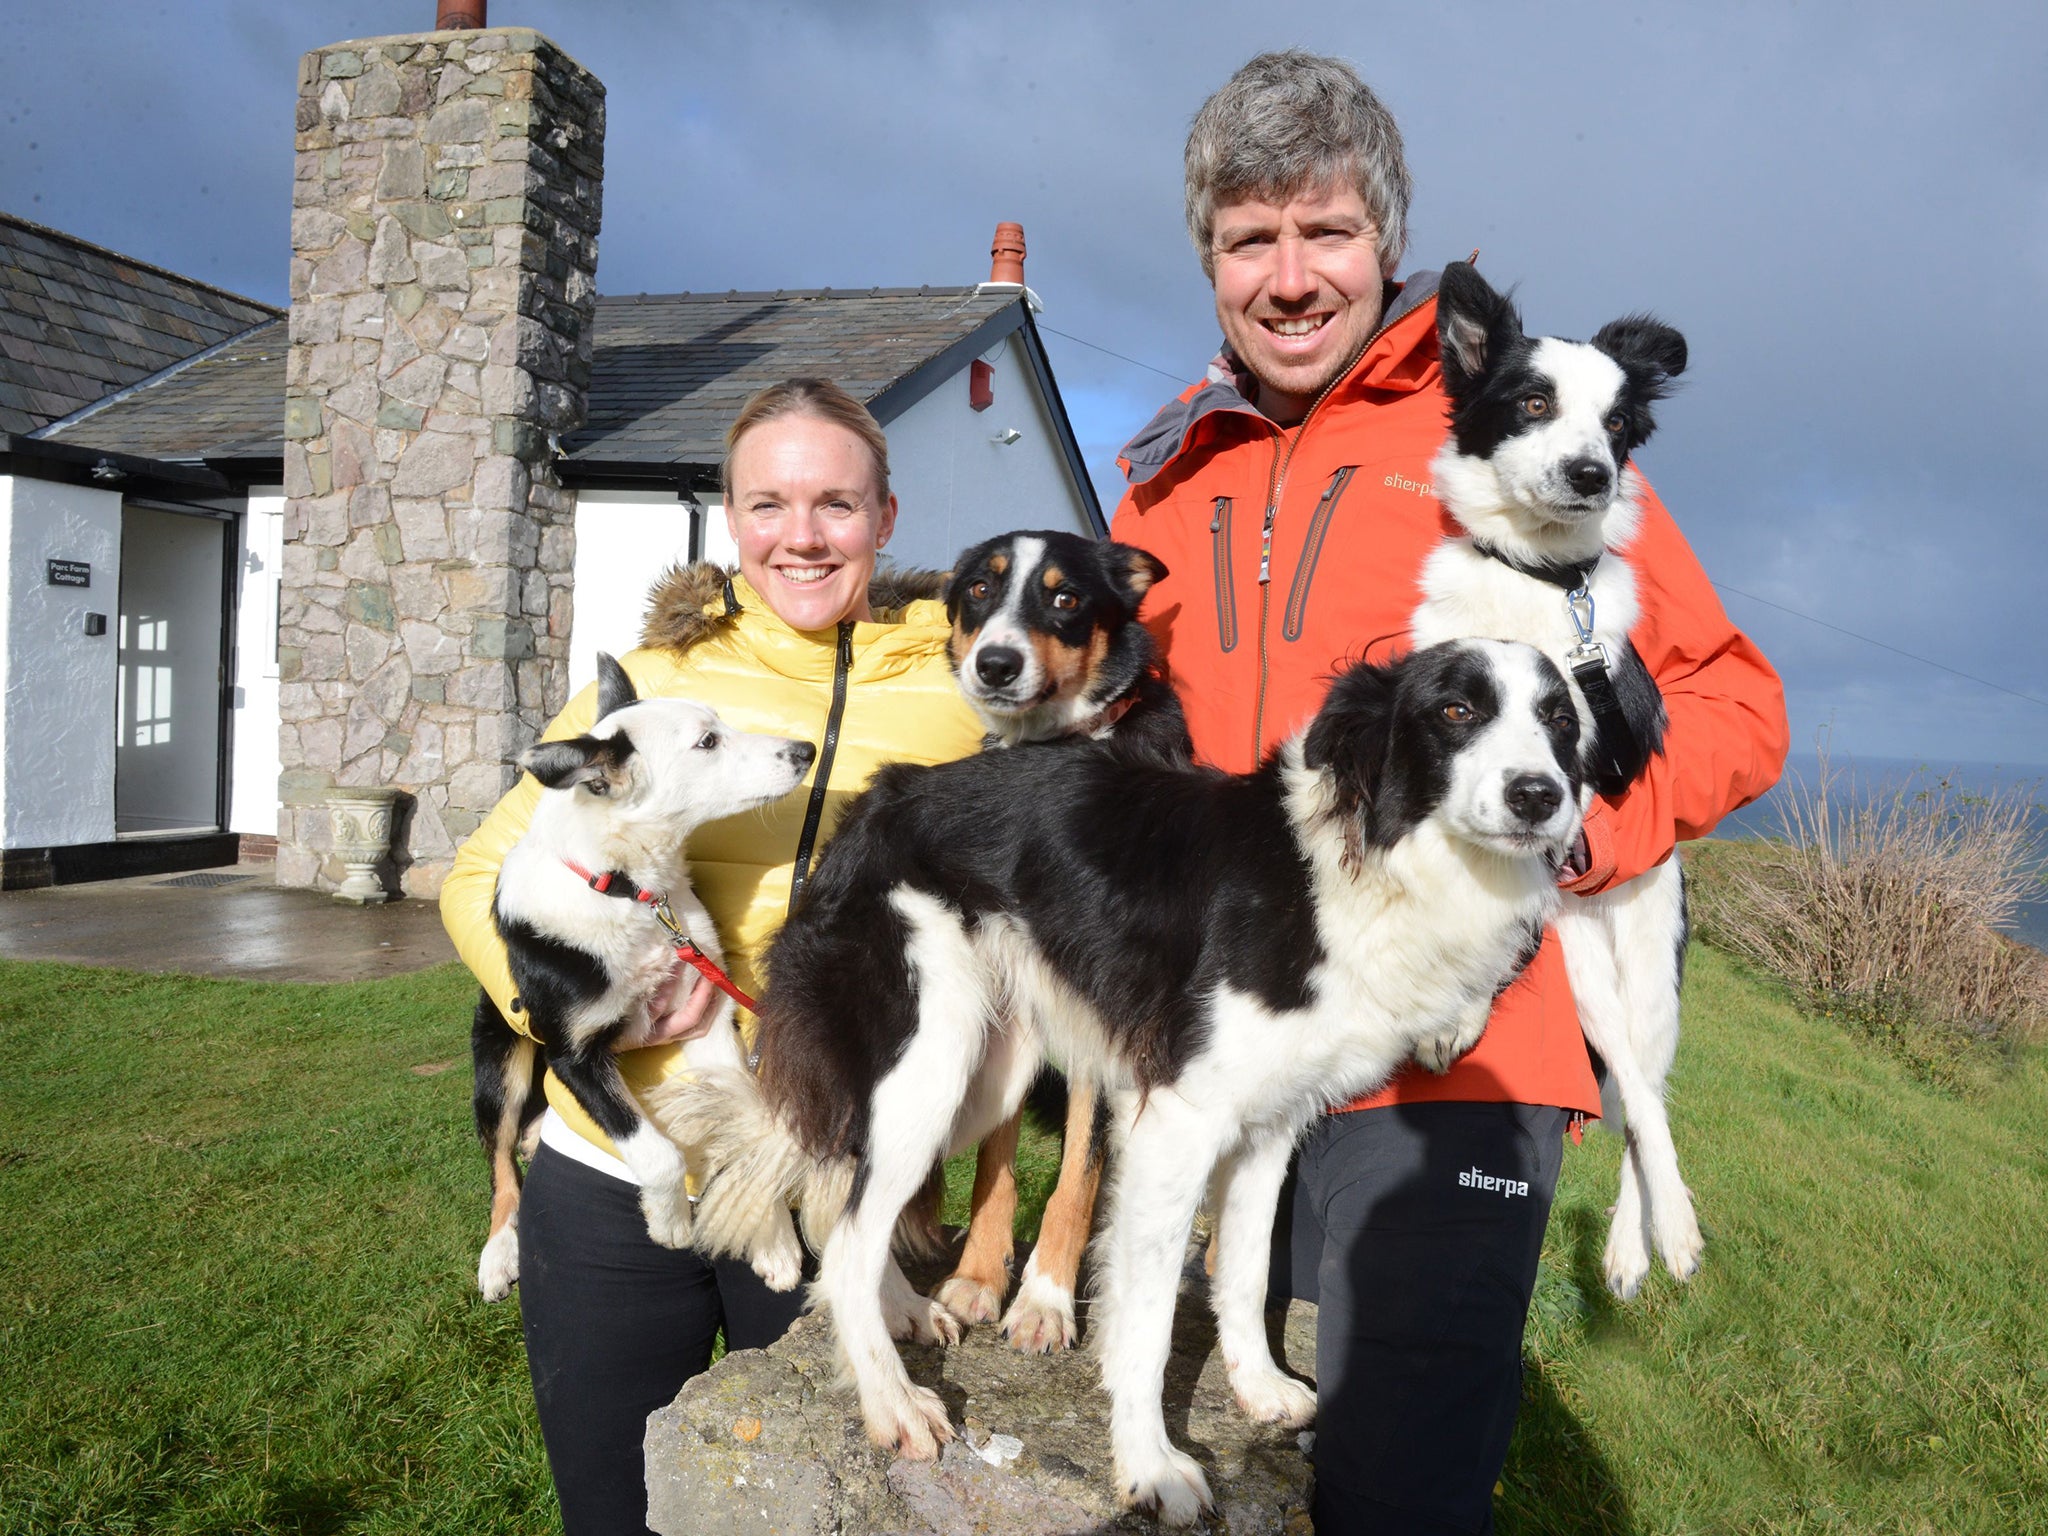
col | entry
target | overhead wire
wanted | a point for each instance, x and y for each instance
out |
(1925, 661)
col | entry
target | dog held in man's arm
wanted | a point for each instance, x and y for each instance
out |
(1224, 955)
(583, 904)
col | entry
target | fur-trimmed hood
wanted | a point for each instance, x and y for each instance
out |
(690, 602)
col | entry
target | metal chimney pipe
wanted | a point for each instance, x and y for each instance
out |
(1006, 256)
(460, 15)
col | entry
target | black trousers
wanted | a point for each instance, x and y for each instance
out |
(1416, 1230)
(615, 1324)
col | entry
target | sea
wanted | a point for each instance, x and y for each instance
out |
(1865, 779)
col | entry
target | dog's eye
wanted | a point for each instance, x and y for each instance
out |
(1065, 601)
(1616, 422)
(707, 742)
(598, 786)
(1536, 405)
(1562, 720)
(978, 591)
(1460, 713)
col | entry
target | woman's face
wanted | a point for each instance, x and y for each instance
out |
(808, 515)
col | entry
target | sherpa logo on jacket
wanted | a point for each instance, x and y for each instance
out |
(1505, 1188)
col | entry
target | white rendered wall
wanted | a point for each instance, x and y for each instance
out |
(253, 767)
(57, 710)
(625, 542)
(956, 485)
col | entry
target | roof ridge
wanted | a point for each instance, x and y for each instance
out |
(754, 295)
(126, 391)
(136, 261)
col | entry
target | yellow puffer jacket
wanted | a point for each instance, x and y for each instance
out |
(711, 638)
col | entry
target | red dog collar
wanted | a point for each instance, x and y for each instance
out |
(617, 883)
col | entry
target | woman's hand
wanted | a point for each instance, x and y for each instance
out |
(682, 1008)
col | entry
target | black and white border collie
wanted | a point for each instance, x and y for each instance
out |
(1047, 644)
(1537, 474)
(1047, 647)
(1224, 955)
(620, 800)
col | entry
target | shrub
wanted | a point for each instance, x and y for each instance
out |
(1885, 911)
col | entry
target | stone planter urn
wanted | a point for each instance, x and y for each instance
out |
(363, 820)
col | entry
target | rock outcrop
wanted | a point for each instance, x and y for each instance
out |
(767, 1441)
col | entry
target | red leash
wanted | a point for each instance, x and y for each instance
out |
(686, 947)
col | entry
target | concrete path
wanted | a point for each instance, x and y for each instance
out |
(230, 922)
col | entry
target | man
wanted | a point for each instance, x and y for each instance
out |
(1288, 494)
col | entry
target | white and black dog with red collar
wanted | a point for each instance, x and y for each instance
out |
(595, 907)
(1537, 475)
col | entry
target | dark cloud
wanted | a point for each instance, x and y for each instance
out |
(1845, 207)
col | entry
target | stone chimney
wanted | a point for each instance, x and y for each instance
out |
(444, 260)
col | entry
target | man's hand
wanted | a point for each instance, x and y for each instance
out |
(682, 1008)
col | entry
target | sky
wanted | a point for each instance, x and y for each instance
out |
(1844, 207)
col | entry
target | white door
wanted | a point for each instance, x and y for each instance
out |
(167, 757)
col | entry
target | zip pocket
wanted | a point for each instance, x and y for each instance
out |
(1312, 551)
(1226, 596)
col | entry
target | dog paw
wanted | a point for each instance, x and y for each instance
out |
(1041, 1319)
(497, 1269)
(1679, 1240)
(1627, 1261)
(969, 1300)
(1274, 1397)
(668, 1221)
(919, 1320)
(914, 1425)
(1173, 1488)
(1437, 1053)
(778, 1258)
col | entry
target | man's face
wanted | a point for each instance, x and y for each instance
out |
(1297, 291)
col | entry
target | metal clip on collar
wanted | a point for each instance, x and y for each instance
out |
(1579, 604)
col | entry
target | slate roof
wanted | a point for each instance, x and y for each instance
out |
(78, 322)
(669, 372)
(672, 370)
(225, 403)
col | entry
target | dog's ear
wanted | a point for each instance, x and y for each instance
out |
(1132, 571)
(1474, 325)
(597, 761)
(1349, 737)
(614, 688)
(1649, 350)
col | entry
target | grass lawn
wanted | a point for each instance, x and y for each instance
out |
(236, 1284)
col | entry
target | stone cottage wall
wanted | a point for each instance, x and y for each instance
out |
(443, 282)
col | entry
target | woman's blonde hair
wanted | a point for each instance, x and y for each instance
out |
(807, 397)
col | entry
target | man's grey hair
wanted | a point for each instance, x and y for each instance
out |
(1293, 122)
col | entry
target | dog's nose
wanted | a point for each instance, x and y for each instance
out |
(1589, 477)
(998, 666)
(800, 753)
(1534, 797)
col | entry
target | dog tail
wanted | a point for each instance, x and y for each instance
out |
(747, 1161)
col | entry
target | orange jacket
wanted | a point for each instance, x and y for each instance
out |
(1291, 551)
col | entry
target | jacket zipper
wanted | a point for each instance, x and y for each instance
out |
(1226, 595)
(1273, 487)
(841, 665)
(1311, 552)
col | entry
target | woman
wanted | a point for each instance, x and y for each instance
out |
(803, 642)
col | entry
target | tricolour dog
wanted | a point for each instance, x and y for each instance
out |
(1048, 648)
(1226, 955)
(1537, 474)
(585, 903)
